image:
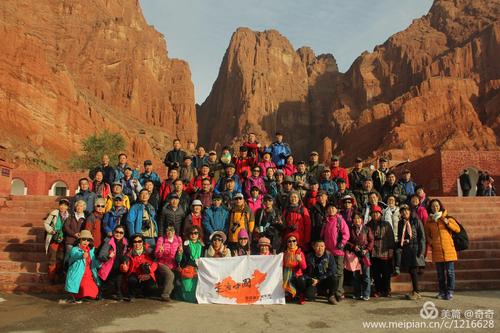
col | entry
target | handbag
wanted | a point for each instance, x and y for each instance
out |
(351, 262)
(188, 272)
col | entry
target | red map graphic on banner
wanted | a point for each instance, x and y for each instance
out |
(245, 292)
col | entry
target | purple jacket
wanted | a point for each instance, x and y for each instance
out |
(254, 181)
(330, 233)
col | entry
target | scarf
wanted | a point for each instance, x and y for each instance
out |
(86, 249)
(406, 228)
(436, 216)
(288, 271)
(98, 187)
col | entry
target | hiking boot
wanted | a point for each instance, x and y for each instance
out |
(441, 296)
(332, 300)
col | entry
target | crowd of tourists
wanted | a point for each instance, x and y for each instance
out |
(128, 233)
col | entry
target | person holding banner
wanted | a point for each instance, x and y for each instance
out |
(186, 257)
(294, 262)
(320, 273)
(243, 246)
(265, 246)
(217, 249)
(268, 224)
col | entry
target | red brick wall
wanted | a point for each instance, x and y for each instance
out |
(454, 162)
(426, 172)
(39, 183)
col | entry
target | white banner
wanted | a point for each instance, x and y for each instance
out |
(241, 280)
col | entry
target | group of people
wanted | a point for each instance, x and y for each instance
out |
(483, 187)
(128, 233)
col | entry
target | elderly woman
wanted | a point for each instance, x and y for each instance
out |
(243, 246)
(410, 248)
(264, 246)
(74, 225)
(98, 186)
(217, 249)
(93, 222)
(54, 241)
(294, 263)
(186, 257)
(438, 231)
(82, 280)
(112, 255)
(166, 250)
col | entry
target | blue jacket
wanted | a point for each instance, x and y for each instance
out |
(221, 184)
(215, 219)
(153, 176)
(112, 218)
(329, 186)
(77, 268)
(279, 151)
(134, 218)
(120, 172)
(199, 161)
(409, 187)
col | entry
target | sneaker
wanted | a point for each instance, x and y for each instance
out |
(396, 271)
(302, 300)
(118, 298)
(441, 296)
(413, 296)
(388, 294)
(375, 295)
(365, 298)
(332, 300)
(165, 298)
(449, 296)
(75, 301)
(417, 295)
(355, 297)
(338, 298)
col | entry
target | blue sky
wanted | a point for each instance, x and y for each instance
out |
(199, 31)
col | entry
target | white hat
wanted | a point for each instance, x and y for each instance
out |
(196, 203)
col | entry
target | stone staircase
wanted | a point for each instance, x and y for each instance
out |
(23, 264)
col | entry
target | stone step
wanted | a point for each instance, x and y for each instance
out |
(24, 256)
(21, 230)
(33, 288)
(19, 278)
(22, 247)
(19, 238)
(471, 264)
(23, 266)
(403, 287)
(460, 274)
(477, 254)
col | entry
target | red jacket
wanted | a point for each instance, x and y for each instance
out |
(136, 262)
(195, 183)
(244, 164)
(338, 172)
(297, 219)
(253, 148)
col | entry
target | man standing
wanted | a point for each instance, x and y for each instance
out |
(141, 219)
(107, 170)
(279, 150)
(200, 158)
(337, 171)
(122, 165)
(149, 174)
(175, 157)
(465, 183)
(86, 195)
(408, 185)
(379, 175)
(357, 175)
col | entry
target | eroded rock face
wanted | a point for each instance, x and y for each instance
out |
(72, 68)
(434, 85)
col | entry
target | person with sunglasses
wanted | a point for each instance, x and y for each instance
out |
(166, 250)
(111, 255)
(217, 249)
(81, 279)
(242, 248)
(294, 263)
(93, 223)
(140, 268)
(116, 216)
(186, 257)
(241, 218)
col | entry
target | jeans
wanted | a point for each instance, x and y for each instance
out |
(446, 276)
(362, 282)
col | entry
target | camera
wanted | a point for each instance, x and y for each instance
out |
(146, 268)
(235, 227)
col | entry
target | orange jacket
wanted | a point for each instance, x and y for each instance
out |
(438, 236)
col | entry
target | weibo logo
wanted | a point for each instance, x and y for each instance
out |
(245, 292)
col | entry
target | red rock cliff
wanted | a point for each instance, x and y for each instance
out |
(71, 68)
(434, 85)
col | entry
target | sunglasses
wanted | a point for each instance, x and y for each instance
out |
(243, 238)
(217, 239)
(119, 232)
(85, 239)
(101, 206)
(238, 199)
(194, 233)
(137, 241)
(118, 200)
(292, 241)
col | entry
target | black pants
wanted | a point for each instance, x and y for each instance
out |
(114, 281)
(326, 286)
(300, 285)
(381, 273)
(135, 286)
(414, 278)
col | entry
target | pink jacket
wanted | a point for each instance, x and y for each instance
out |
(107, 265)
(263, 165)
(289, 169)
(254, 205)
(167, 257)
(329, 234)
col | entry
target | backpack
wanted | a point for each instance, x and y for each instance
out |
(460, 239)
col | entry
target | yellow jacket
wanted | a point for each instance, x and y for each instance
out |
(438, 236)
(244, 219)
(109, 202)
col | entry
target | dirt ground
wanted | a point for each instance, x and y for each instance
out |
(25, 313)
